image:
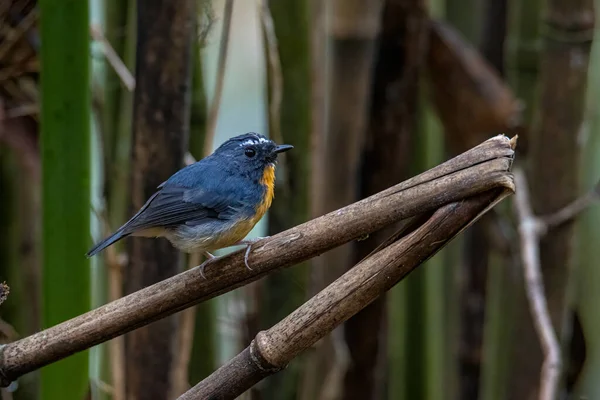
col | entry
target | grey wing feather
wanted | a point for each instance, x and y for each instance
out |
(173, 205)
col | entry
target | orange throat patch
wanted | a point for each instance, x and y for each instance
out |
(268, 181)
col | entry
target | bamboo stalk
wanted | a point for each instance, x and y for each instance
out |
(553, 173)
(480, 169)
(286, 35)
(160, 135)
(432, 145)
(351, 28)
(65, 149)
(118, 174)
(587, 294)
(203, 352)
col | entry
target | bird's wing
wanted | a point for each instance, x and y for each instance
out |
(174, 205)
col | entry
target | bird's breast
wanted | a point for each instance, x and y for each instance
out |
(268, 182)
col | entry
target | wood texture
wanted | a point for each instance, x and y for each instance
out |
(274, 348)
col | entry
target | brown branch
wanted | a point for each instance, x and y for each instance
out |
(530, 230)
(213, 113)
(480, 169)
(273, 349)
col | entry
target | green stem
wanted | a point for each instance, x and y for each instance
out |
(65, 148)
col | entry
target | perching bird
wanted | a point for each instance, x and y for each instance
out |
(211, 204)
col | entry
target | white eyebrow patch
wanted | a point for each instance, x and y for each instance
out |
(254, 141)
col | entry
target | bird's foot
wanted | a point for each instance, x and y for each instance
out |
(209, 258)
(249, 243)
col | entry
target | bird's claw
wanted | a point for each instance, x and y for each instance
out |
(249, 243)
(246, 256)
(209, 259)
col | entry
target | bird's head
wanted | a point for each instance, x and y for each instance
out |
(251, 151)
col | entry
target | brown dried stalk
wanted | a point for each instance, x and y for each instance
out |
(476, 171)
(273, 349)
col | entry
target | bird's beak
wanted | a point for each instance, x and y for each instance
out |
(283, 147)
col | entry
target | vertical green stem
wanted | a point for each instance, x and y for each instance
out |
(203, 358)
(587, 295)
(286, 291)
(65, 146)
(523, 47)
(435, 276)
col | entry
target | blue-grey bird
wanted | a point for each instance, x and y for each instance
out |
(211, 204)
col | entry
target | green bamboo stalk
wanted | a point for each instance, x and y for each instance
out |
(426, 325)
(396, 342)
(118, 169)
(497, 334)
(588, 385)
(554, 176)
(65, 148)
(408, 318)
(284, 292)
(419, 321)
(99, 367)
(465, 16)
(203, 358)
(198, 112)
(523, 48)
(436, 351)
(117, 28)
(492, 374)
(439, 268)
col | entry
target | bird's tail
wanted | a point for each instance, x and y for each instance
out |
(115, 237)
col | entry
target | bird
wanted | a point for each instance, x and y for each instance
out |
(212, 203)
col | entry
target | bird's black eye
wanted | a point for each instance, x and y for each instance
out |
(250, 152)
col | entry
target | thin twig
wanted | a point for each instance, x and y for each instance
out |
(530, 229)
(113, 58)
(213, 113)
(572, 210)
(24, 110)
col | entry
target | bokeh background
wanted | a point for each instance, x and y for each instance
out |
(101, 100)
